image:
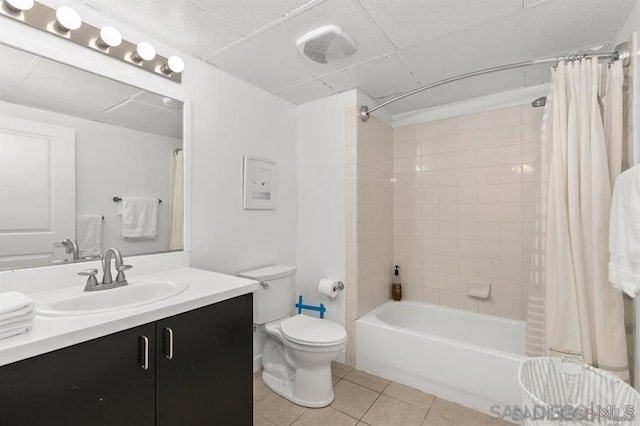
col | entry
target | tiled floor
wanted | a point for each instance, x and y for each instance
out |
(364, 399)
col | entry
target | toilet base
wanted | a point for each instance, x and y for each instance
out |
(284, 388)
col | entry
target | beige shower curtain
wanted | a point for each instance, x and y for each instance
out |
(580, 312)
(177, 201)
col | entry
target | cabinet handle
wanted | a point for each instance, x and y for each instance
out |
(168, 343)
(144, 353)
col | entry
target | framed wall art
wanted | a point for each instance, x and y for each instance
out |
(259, 190)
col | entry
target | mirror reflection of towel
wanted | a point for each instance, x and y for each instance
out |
(139, 217)
(89, 234)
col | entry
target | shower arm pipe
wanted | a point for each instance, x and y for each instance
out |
(622, 52)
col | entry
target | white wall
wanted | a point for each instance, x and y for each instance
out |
(229, 118)
(321, 198)
(232, 119)
(111, 161)
(633, 25)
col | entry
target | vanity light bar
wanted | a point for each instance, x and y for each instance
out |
(66, 23)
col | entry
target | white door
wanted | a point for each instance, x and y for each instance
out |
(37, 191)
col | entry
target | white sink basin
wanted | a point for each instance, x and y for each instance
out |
(78, 302)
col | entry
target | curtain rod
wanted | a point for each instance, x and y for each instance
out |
(621, 52)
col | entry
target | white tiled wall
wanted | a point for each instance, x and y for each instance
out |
(369, 221)
(464, 197)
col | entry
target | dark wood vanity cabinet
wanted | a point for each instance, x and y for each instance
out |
(210, 368)
(97, 382)
(198, 372)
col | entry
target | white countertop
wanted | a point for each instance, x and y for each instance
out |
(51, 333)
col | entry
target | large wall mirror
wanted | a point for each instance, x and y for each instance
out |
(80, 158)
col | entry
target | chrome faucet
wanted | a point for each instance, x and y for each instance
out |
(106, 265)
(107, 279)
(71, 247)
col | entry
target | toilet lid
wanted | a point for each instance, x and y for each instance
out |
(313, 331)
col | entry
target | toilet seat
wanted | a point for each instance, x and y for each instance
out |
(310, 331)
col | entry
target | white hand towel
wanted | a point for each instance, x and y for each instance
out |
(16, 329)
(14, 304)
(18, 319)
(139, 217)
(89, 234)
(624, 233)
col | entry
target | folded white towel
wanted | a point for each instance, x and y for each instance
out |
(14, 304)
(9, 322)
(16, 329)
(89, 234)
(139, 217)
(624, 233)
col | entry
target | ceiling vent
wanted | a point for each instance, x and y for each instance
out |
(326, 45)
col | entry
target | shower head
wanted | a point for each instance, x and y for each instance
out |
(540, 102)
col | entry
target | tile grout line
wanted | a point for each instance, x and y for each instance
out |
(370, 407)
(410, 403)
(367, 387)
(426, 414)
(348, 415)
(301, 414)
(429, 409)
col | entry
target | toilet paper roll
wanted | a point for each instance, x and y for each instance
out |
(328, 287)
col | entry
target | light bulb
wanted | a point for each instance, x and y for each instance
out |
(68, 19)
(174, 64)
(144, 52)
(109, 37)
(19, 5)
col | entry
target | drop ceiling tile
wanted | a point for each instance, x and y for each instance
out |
(172, 131)
(408, 23)
(437, 38)
(10, 76)
(306, 92)
(139, 116)
(82, 78)
(529, 3)
(414, 102)
(370, 41)
(169, 109)
(160, 102)
(250, 16)
(11, 56)
(15, 65)
(379, 77)
(50, 92)
(554, 27)
(479, 86)
(184, 25)
(488, 45)
(258, 65)
(539, 74)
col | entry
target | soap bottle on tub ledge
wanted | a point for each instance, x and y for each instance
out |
(396, 287)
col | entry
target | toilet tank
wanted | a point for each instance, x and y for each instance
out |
(275, 299)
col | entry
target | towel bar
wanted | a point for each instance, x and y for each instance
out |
(118, 199)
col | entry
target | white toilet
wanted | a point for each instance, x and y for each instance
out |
(297, 354)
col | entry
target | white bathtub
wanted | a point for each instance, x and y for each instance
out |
(468, 358)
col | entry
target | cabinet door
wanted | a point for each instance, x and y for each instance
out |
(208, 380)
(99, 382)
